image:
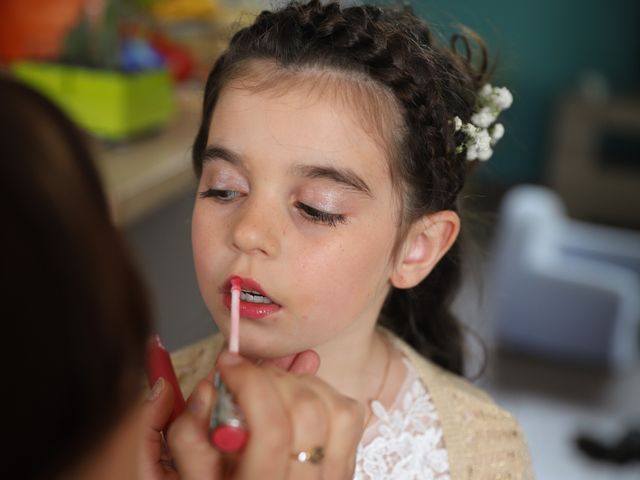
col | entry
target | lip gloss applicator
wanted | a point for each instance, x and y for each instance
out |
(227, 428)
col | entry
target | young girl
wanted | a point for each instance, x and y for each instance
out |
(333, 146)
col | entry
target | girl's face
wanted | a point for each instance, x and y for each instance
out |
(296, 196)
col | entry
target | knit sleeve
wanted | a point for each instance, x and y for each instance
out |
(484, 441)
(194, 362)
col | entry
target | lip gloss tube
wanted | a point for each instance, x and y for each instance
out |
(226, 426)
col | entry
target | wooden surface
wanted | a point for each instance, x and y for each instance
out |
(143, 175)
(591, 189)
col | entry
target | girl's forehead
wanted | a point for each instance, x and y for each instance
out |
(302, 123)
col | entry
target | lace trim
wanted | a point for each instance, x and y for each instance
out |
(406, 441)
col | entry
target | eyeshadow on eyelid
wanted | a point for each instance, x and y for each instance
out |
(219, 177)
(328, 201)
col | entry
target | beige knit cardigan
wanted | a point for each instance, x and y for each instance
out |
(483, 441)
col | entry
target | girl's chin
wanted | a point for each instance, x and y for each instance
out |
(257, 349)
(263, 343)
(260, 351)
(262, 354)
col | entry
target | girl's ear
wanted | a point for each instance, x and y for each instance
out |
(429, 239)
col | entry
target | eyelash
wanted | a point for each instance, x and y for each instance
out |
(309, 213)
(219, 195)
(318, 216)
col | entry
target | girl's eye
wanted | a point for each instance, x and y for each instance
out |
(318, 216)
(220, 195)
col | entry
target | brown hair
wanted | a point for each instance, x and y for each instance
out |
(430, 85)
(74, 308)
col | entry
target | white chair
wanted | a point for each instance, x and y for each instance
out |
(562, 288)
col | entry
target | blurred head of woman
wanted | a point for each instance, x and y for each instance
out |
(74, 308)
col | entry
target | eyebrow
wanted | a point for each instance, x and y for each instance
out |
(343, 176)
(215, 152)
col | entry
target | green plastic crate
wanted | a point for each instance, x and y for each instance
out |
(111, 105)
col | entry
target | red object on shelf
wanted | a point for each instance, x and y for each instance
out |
(35, 28)
(178, 60)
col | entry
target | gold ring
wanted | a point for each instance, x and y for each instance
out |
(314, 456)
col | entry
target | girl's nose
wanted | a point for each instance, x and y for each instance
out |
(255, 230)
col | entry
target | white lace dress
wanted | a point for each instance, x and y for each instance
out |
(404, 442)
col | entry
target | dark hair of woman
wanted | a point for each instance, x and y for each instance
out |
(392, 54)
(74, 308)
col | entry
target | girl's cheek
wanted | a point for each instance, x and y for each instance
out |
(205, 237)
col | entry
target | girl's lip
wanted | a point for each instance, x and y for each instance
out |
(253, 311)
(248, 284)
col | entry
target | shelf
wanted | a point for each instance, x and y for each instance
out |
(145, 174)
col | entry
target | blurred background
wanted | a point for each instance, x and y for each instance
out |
(552, 278)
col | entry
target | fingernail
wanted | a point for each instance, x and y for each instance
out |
(229, 359)
(156, 390)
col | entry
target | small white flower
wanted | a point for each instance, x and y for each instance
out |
(502, 98)
(483, 118)
(486, 90)
(483, 133)
(485, 154)
(472, 152)
(497, 132)
(482, 140)
(469, 130)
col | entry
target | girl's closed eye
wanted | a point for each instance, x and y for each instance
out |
(320, 216)
(308, 212)
(222, 183)
(224, 186)
(220, 195)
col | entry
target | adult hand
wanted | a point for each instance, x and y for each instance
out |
(303, 363)
(285, 412)
(155, 461)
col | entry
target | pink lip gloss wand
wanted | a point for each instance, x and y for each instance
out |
(227, 428)
(234, 337)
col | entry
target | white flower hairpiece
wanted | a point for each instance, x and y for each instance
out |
(483, 133)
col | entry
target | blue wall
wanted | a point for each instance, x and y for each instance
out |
(544, 47)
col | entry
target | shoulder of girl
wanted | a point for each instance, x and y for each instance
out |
(453, 392)
(481, 435)
(438, 378)
(193, 362)
(456, 392)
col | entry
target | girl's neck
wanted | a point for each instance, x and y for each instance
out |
(355, 364)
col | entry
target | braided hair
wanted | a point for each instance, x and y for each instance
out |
(429, 85)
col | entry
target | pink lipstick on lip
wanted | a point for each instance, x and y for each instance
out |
(253, 311)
